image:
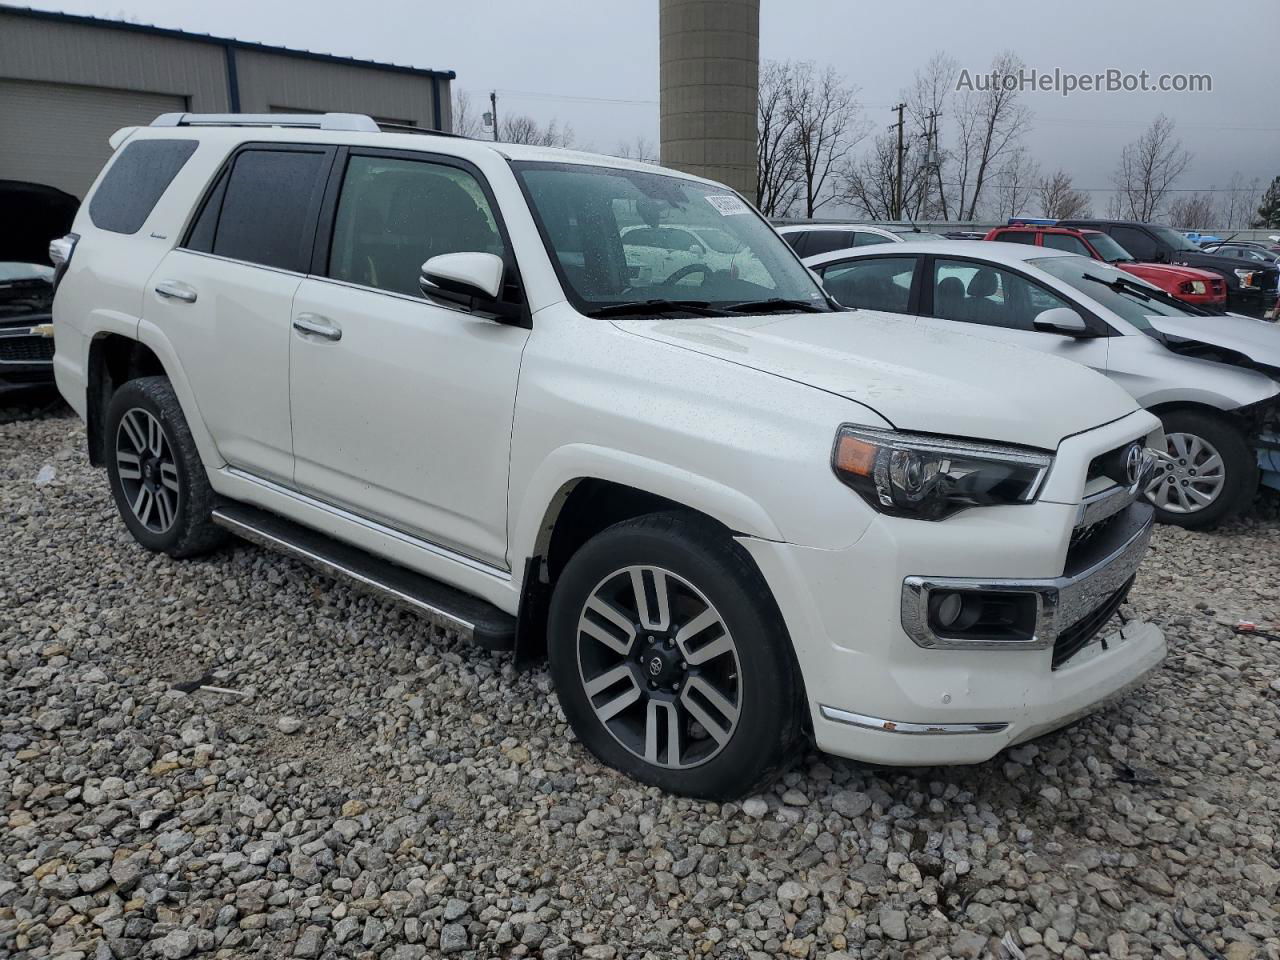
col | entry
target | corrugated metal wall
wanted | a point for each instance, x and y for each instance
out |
(71, 70)
(32, 49)
(270, 82)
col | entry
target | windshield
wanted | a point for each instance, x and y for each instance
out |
(1174, 239)
(625, 236)
(1107, 248)
(1121, 293)
(10, 271)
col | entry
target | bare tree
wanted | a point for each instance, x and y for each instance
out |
(641, 148)
(926, 106)
(825, 115)
(990, 124)
(868, 183)
(778, 177)
(1239, 201)
(465, 121)
(1017, 180)
(522, 128)
(1060, 199)
(1192, 211)
(1148, 168)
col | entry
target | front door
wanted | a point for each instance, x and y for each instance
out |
(973, 297)
(402, 409)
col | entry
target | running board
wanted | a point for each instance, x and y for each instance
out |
(476, 620)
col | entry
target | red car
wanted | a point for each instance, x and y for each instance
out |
(1188, 284)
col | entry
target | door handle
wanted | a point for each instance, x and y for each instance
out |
(323, 327)
(176, 290)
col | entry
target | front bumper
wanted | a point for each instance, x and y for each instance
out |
(877, 694)
(26, 354)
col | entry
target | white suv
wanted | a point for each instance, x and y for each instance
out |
(730, 517)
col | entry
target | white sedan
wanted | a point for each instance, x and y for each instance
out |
(1214, 380)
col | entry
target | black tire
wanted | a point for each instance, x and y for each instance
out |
(189, 531)
(764, 673)
(1240, 482)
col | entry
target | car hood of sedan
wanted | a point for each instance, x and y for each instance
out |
(921, 380)
(1257, 340)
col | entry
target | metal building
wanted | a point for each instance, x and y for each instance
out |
(68, 82)
(710, 66)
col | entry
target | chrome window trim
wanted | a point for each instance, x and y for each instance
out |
(373, 526)
(243, 263)
(1060, 601)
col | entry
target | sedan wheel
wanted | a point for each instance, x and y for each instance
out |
(1190, 477)
(659, 667)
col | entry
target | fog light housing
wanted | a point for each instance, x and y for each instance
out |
(998, 616)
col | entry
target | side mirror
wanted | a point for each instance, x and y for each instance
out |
(1061, 320)
(461, 278)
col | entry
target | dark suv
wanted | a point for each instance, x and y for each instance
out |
(1251, 289)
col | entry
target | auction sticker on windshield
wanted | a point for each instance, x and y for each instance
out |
(727, 204)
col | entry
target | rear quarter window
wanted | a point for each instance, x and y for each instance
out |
(136, 182)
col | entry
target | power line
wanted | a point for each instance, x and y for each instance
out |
(537, 95)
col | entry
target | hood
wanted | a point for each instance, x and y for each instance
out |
(918, 379)
(44, 213)
(1167, 271)
(1256, 340)
(1194, 258)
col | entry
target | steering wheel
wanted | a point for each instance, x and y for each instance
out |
(687, 270)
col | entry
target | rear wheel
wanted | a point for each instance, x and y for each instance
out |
(1209, 473)
(670, 659)
(156, 475)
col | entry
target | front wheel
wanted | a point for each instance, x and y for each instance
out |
(670, 658)
(1209, 474)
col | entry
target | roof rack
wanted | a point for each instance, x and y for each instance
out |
(410, 128)
(321, 121)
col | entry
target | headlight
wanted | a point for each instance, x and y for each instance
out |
(911, 475)
(1245, 276)
(1197, 286)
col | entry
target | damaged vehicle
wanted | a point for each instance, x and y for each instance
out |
(33, 215)
(1212, 377)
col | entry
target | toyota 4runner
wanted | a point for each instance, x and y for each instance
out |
(728, 514)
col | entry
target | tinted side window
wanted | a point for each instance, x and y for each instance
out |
(135, 183)
(798, 240)
(977, 293)
(1064, 241)
(269, 208)
(394, 215)
(883, 283)
(1018, 236)
(205, 228)
(1139, 245)
(865, 238)
(824, 241)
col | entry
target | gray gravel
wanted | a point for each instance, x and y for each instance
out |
(378, 789)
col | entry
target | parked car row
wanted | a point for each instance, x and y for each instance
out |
(593, 407)
(1213, 379)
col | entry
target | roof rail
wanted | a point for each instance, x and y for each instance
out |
(322, 121)
(387, 127)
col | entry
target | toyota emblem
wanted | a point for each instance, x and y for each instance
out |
(1133, 464)
(655, 666)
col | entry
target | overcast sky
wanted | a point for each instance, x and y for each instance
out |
(546, 56)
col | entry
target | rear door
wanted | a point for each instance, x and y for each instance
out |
(985, 300)
(224, 298)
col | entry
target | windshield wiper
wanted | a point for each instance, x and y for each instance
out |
(1143, 292)
(699, 308)
(774, 304)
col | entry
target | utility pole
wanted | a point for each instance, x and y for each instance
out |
(934, 162)
(897, 186)
(493, 111)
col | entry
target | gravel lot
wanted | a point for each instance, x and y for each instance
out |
(381, 790)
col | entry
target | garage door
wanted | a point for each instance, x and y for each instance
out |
(56, 133)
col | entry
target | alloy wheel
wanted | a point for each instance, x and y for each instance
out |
(147, 470)
(659, 667)
(1190, 477)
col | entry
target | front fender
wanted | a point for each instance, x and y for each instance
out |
(570, 463)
